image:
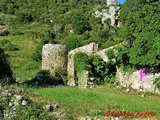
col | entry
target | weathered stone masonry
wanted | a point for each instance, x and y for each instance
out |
(89, 50)
(54, 56)
(57, 56)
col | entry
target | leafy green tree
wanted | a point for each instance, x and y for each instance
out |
(140, 32)
(79, 23)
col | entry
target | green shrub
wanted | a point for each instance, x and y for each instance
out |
(37, 55)
(103, 72)
(157, 82)
(72, 42)
(110, 54)
(81, 61)
(4, 42)
(122, 56)
(109, 79)
(7, 45)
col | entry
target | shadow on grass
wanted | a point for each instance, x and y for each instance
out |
(44, 79)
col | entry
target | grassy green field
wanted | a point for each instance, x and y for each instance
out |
(96, 101)
(22, 65)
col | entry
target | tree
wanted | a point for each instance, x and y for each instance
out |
(140, 32)
(79, 23)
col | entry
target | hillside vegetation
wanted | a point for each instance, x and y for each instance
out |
(26, 25)
(31, 24)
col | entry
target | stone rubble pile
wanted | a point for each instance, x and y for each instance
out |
(14, 99)
(53, 110)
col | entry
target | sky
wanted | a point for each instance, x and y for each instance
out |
(121, 1)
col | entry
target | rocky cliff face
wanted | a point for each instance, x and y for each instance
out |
(111, 12)
(111, 2)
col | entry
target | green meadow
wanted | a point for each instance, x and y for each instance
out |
(96, 101)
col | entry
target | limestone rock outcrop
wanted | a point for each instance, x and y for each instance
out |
(111, 12)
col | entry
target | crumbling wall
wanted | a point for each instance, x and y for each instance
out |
(126, 79)
(89, 50)
(102, 53)
(54, 56)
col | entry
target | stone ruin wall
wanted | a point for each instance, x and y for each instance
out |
(54, 56)
(102, 53)
(57, 56)
(89, 50)
(133, 81)
(83, 78)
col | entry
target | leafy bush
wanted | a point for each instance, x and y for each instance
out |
(81, 61)
(141, 43)
(110, 54)
(122, 56)
(47, 38)
(37, 55)
(79, 23)
(7, 45)
(109, 79)
(23, 17)
(103, 71)
(72, 42)
(157, 82)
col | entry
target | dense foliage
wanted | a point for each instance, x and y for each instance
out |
(71, 22)
(60, 18)
(104, 72)
(81, 61)
(7, 45)
(140, 33)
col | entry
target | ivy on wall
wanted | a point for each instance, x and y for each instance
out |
(81, 61)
